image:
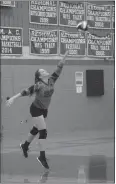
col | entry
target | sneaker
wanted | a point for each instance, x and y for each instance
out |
(43, 162)
(25, 150)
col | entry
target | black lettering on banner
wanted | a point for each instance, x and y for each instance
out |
(99, 46)
(113, 17)
(11, 41)
(98, 16)
(43, 42)
(7, 3)
(73, 42)
(71, 14)
(43, 12)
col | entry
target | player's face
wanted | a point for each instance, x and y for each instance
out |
(44, 73)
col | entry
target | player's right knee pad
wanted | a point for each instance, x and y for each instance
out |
(34, 131)
(43, 134)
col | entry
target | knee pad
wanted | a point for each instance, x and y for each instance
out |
(43, 134)
(34, 131)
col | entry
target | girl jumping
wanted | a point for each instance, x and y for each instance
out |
(43, 90)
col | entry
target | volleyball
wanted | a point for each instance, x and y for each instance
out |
(82, 26)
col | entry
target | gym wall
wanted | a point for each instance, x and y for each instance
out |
(69, 112)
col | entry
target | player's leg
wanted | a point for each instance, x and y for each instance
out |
(42, 139)
(25, 147)
(39, 126)
(33, 132)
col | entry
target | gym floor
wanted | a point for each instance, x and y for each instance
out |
(66, 154)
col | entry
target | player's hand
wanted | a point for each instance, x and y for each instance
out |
(9, 102)
(66, 54)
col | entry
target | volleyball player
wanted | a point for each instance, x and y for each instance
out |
(43, 90)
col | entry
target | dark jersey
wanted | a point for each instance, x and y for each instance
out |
(43, 91)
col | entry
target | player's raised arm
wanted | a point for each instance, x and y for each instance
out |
(60, 65)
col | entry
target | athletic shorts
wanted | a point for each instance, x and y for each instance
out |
(35, 112)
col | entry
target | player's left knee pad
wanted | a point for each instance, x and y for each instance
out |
(43, 134)
(34, 131)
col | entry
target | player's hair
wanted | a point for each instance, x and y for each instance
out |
(37, 76)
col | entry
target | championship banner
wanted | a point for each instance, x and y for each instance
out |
(98, 16)
(11, 41)
(43, 42)
(71, 14)
(7, 3)
(113, 17)
(43, 12)
(75, 43)
(99, 46)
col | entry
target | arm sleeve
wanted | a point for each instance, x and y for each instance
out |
(28, 91)
(57, 72)
(31, 90)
